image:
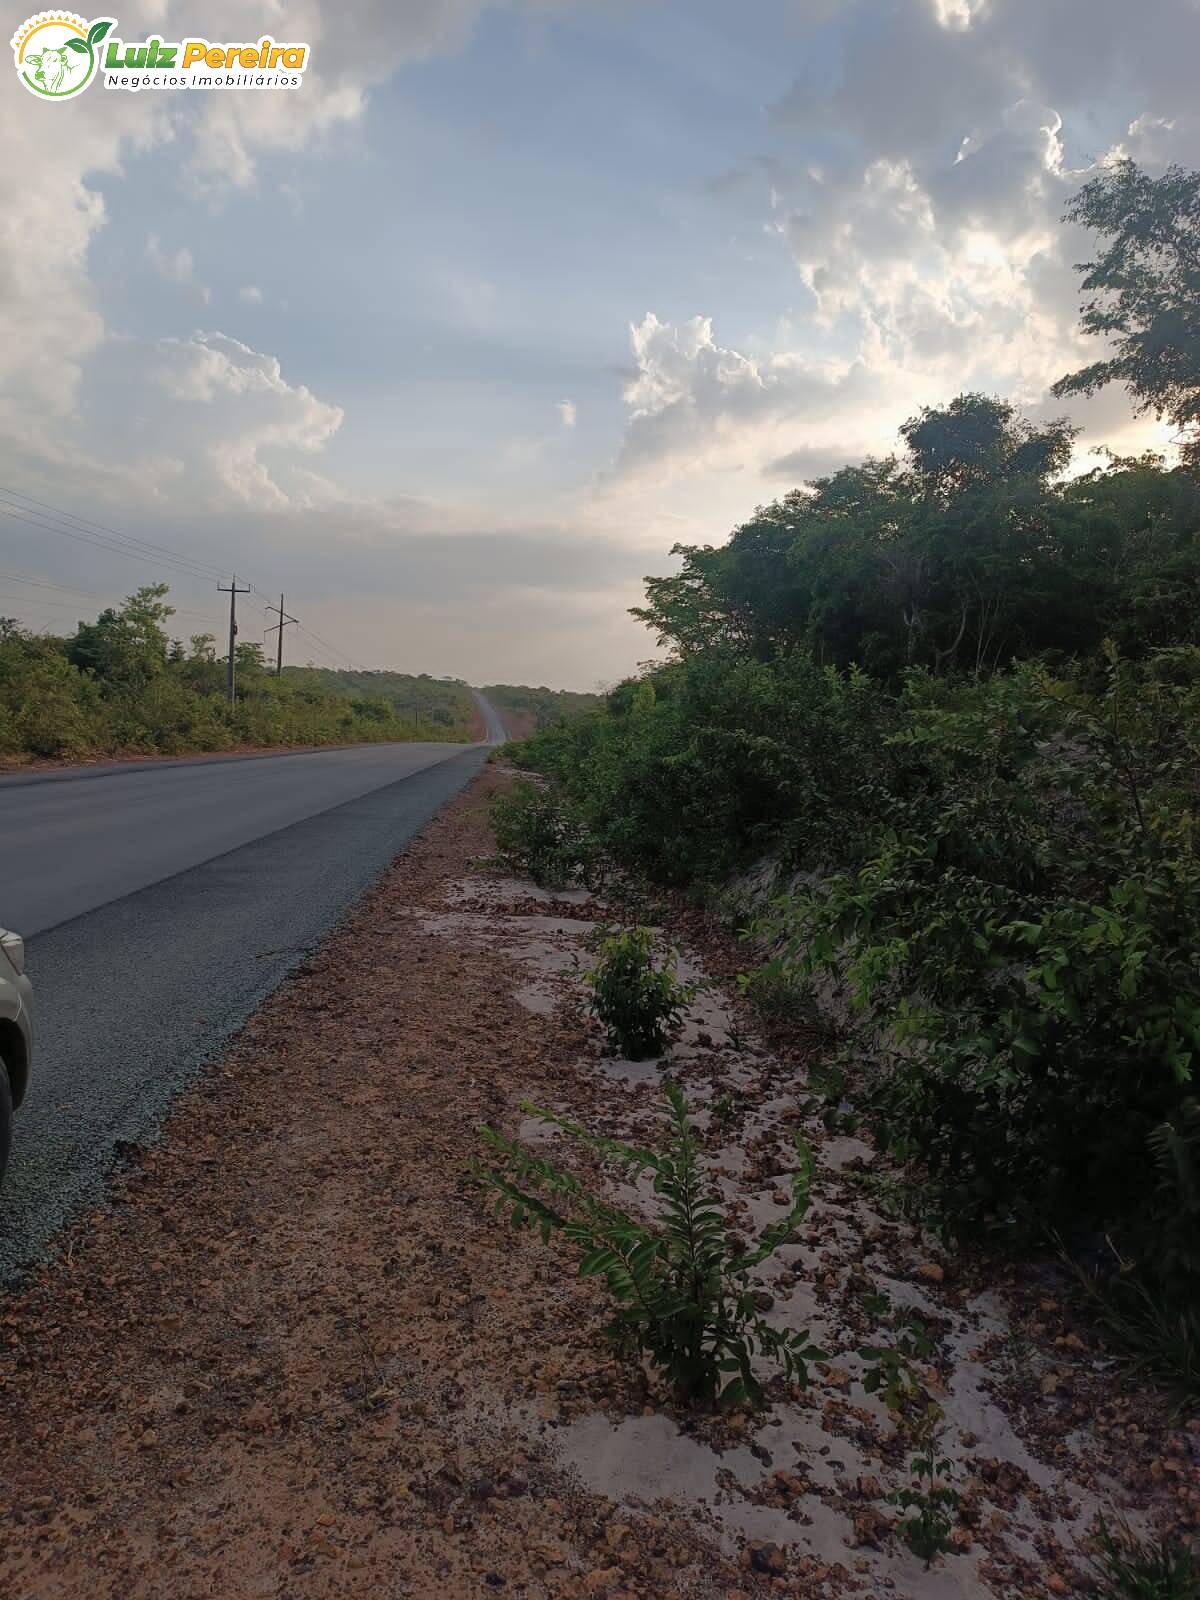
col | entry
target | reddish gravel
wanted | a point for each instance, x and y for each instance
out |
(289, 1360)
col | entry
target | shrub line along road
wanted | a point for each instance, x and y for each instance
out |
(164, 903)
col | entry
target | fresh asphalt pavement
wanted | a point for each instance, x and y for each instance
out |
(164, 903)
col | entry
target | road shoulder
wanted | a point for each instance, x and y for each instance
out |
(298, 1354)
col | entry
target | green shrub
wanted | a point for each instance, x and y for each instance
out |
(728, 759)
(55, 712)
(535, 833)
(119, 684)
(1025, 924)
(682, 1287)
(640, 1002)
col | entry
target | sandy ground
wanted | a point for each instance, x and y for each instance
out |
(299, 1356)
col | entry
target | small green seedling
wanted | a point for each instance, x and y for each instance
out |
(929, 1496)
(640, 1001)
(682, 1286)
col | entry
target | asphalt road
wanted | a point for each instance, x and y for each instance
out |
(164, 903)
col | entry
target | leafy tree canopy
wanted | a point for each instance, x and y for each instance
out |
(125, 647)
(967, 551)
(1142, 292)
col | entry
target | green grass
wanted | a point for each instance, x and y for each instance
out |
(1129, 1568)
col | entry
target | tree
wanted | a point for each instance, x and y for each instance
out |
(979, 442)
(984, 566)
(249, 663)
(1144, 293)
(952, 556)
(125, 648)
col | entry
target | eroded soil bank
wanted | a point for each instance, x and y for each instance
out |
(299, 1356)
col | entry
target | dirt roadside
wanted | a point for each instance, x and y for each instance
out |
(298, 1356)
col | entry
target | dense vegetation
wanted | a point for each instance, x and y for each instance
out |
(955, 698)
(526, 710)
(439, 703)
(122, 685)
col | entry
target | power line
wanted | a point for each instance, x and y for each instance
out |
(87, 524)
(69, 605)
(26, 580)
(312, 633)
(118, 544)
(45, 583)
(284, 622)
(51, 605)
(333, 650)
(43, 515)
(36, 520)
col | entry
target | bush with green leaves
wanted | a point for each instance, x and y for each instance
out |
(536, 834)
(120, 684)
(1025, 921)
(993, 832)
(637, 995)
(721, 761)
(681, 1284)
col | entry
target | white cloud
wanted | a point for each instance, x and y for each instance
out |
(915, 177)
(211, 423)
(49, 216)
(957, 13)
(252, 410)
(353, 50)
(919, 187)
(931, 232)
(176, 266)
(698, 405)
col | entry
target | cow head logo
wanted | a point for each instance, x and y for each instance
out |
(57, 53)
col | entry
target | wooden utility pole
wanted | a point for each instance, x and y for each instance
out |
(284, 621)
(232, 591)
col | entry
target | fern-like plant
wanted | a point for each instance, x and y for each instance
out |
(640, 1001)
(1175, 1150)
(683, 1293)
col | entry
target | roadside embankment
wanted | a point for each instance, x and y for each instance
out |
(299, 1353)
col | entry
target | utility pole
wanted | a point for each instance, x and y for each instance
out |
(279, 626)
(232, 591)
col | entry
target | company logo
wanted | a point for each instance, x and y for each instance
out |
(57, 54)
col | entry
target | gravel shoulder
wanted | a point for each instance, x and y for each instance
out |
(296, 1354)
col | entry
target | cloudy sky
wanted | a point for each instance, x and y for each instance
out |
(455, 342)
